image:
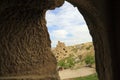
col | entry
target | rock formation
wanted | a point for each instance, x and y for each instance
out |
(62, 51)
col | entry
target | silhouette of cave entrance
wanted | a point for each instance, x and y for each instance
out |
(71, 21)
(96, 26)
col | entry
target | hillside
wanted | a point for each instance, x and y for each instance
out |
(75, 56)
(62, 51)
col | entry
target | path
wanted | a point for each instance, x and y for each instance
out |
(68, 73)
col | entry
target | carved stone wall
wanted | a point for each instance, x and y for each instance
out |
(25, 47)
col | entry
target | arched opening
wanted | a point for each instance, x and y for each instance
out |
(25, 43)
(66, 24)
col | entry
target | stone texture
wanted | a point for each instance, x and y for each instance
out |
(24, 40)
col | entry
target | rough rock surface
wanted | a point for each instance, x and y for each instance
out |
(24, 40)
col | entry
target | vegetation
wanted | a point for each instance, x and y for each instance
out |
(67, 62)
(90, 77)
(89, 60)
(70, 62)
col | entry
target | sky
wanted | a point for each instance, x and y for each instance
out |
(67, 25)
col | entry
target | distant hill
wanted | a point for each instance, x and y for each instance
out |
(62, 51)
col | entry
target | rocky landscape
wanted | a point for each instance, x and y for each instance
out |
(76, 60)
(79, 54)
(62, 51)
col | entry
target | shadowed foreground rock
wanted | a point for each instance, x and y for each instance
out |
(24, 40)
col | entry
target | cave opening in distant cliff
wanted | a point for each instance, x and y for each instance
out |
(67, 27)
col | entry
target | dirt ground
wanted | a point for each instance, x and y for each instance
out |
(68, 73)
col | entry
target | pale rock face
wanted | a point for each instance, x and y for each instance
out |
(62, 51)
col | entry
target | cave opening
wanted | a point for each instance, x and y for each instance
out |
(70, 39)
(25, 42)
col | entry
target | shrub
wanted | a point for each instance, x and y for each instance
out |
(89, 60)
(67, 62)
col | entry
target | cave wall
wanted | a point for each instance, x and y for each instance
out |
(25, 46)
(102, 20)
